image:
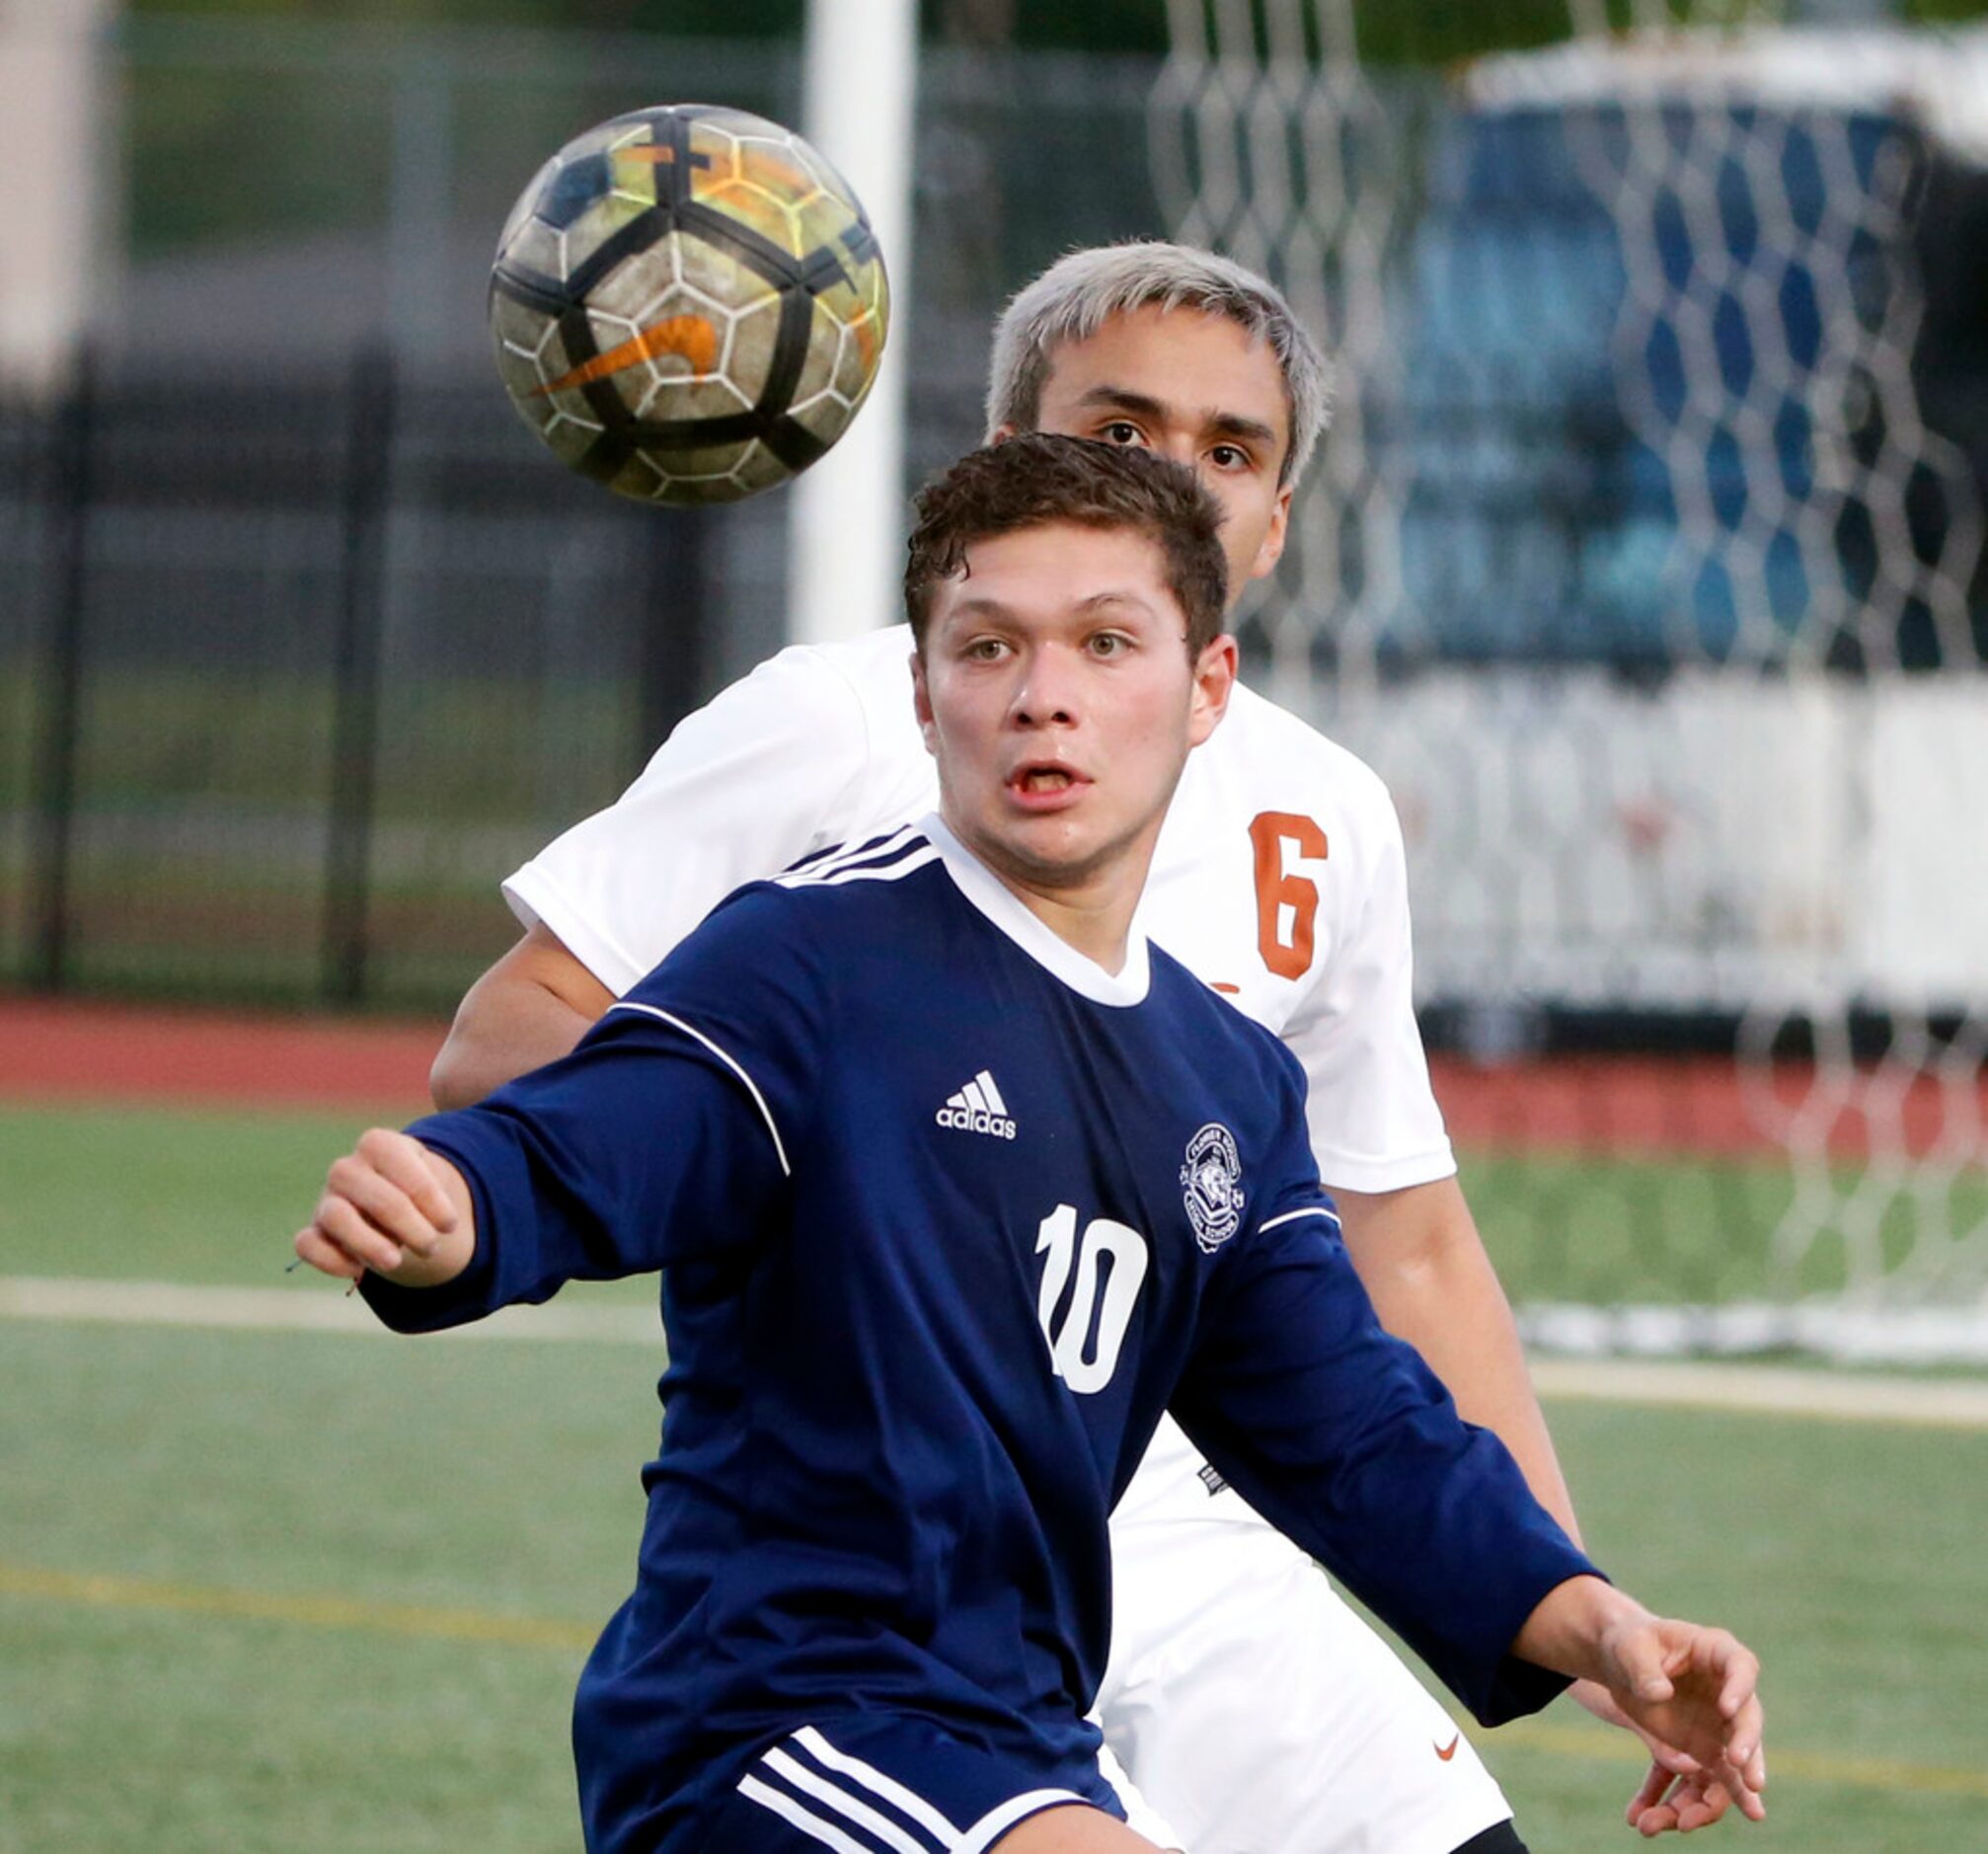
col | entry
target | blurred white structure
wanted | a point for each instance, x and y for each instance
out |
(847, 527)
(57, 146)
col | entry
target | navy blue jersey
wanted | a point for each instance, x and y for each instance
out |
(949, 1216)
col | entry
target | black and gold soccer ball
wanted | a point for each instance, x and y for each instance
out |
(688, 304)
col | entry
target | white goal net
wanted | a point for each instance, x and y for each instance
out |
(1645, 560)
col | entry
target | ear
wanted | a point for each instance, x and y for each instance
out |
(921, 703)
(1214, 683)
(1001, 434)
(1272, 548)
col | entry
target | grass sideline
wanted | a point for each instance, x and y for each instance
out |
(229, 1561)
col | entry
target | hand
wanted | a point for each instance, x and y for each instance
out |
(1657, 1805)
(1684, 1803)
(393, 1206)
(1690, 1694)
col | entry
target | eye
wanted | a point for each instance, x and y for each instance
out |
(1108, 644)
(982, 650)
(1121, 432)
(1229, 457)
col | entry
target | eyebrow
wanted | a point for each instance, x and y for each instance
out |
(984, 607)
(1224, 423)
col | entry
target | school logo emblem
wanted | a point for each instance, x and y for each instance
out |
(1211, 1186)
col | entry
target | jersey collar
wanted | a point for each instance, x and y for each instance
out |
(993, 898)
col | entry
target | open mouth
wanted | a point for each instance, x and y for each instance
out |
(1045, 786)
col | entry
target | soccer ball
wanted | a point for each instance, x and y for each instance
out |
(688, 304)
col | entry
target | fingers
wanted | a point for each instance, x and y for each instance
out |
(1650, 1793)
(1749, 1757)
(1742, 1676)
(1645, 1668)
(313, 1247)
(1737, 1670)
(1683, 1807)
(405, 1162)
(382, 1202)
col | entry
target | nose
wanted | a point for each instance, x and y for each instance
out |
(1046, 692)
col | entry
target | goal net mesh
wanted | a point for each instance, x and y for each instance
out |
(1645, 560)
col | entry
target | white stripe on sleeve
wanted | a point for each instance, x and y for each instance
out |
(751, 1087)
(1291, 1217)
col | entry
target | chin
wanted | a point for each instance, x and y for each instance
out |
(1053, 858)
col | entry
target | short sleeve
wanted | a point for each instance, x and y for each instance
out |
(743, 787)
(664, 1138)
(1374, 1118)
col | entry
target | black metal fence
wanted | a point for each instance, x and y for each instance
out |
(294, 669)
(301, 668)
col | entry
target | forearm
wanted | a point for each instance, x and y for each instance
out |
(1424, 1268)
(532, 1007)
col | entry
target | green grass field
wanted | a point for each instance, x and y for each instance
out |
(274, 1590)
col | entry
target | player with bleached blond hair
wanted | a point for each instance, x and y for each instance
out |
(1248, 1701)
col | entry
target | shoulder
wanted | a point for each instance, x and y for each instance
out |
(855, 675)
(1224, 1039)
(845, 882)
(873, 671)
(1263, 738)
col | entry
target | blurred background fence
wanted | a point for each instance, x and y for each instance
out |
(1645, 560)
(303, 641)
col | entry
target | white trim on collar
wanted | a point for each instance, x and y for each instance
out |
(1006, 909)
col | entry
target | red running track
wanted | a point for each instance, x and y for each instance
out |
(54, 1050)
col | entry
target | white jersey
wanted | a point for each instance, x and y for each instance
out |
(1280, 877)
(1254, 1709)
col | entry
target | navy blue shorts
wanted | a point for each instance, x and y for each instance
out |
(885, 1784)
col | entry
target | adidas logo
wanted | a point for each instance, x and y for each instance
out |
(977, 1109)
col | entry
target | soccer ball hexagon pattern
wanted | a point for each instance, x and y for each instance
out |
(688, 304)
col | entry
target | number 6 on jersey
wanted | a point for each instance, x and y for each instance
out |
(1102, 1238)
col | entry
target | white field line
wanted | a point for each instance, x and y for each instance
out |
(294, 1310)
(1766, 1389)
(1776, 1390)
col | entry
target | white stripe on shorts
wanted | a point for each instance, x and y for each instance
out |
(888, 1788)
(825, 1789)
(807, 1823)
(997, 1822)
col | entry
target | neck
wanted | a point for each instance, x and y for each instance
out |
(1089, 908)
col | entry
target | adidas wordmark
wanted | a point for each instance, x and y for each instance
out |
(977, 1109)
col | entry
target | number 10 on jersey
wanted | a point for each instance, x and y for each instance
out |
(1107, 1251)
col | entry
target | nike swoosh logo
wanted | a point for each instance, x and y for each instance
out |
(1449, 1750)
(691, 338)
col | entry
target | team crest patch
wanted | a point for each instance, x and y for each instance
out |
(1211, 1186)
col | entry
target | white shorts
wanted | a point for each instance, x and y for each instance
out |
(1254, 1709)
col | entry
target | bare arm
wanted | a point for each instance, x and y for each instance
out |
(529, 1009)
(1423, 1266)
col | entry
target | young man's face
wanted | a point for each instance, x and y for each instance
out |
(1197, 388)
(1056, 692)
